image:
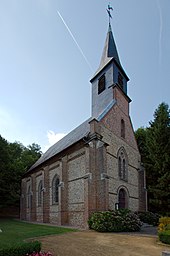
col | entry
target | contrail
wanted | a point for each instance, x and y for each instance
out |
(160, 31)
(71, 34)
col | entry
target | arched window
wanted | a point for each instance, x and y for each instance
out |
(122, 128)
(122, 198)
(40, 193)
(122, 164)
(55, 190)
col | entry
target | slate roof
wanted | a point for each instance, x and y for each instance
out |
(74, 136)
(109, 53)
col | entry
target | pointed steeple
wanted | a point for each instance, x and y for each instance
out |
(109, 51)
(109, 74)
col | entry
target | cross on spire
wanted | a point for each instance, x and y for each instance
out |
(109, 9)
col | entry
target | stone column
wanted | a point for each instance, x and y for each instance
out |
(101, 175)
(33, 198)
(98, 187)
(46, 196)
(87, 184)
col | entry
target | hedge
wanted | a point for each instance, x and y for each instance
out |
(21, 249)
(149, 218)
(114, 221)
(164, 236)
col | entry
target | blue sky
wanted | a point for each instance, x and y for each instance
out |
(44, 76)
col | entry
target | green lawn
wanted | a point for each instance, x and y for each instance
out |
(15, 231)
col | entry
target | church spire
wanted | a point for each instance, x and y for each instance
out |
(110, 53)
(109, 74)
(110, 50)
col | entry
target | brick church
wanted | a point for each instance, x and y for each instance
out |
(97, 166)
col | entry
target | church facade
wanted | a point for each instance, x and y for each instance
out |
(97, 166)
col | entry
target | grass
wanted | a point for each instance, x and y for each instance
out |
(15, 231)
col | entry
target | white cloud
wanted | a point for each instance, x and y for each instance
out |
(53, 138)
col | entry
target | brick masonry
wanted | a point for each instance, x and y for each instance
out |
(81, 171)
(88, 170)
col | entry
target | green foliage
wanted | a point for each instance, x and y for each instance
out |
(164, 224)
(149, 217)
(140, 135)
(114, 221)
(15, 159)
(164, 230)
(164, 236)
(21, 249)
(154, 146)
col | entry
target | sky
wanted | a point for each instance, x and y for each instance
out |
(50, 49)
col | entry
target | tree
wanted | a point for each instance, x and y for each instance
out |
(154, 146)
(4, 166)
(140, 135)
(15, 159)
(158, 144)
(30, 155)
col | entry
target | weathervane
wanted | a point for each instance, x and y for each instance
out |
(109, 8)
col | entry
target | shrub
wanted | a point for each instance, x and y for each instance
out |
(149, 217)
(114, 221)
(164, 236)
(21, 249)
(164, 224)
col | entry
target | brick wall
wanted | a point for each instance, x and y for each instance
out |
(76, 172)
(112, 120)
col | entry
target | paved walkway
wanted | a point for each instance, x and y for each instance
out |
(146, 230)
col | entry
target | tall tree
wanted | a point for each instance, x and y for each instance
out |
(4, 167)
(158, 144)
(15, 159)
(154, 146)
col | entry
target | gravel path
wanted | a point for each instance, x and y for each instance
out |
(91, 243)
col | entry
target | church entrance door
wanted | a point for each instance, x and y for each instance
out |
(122, 199)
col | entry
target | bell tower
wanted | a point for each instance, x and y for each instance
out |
(110, 73)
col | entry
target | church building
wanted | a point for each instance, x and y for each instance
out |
(97, 166)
